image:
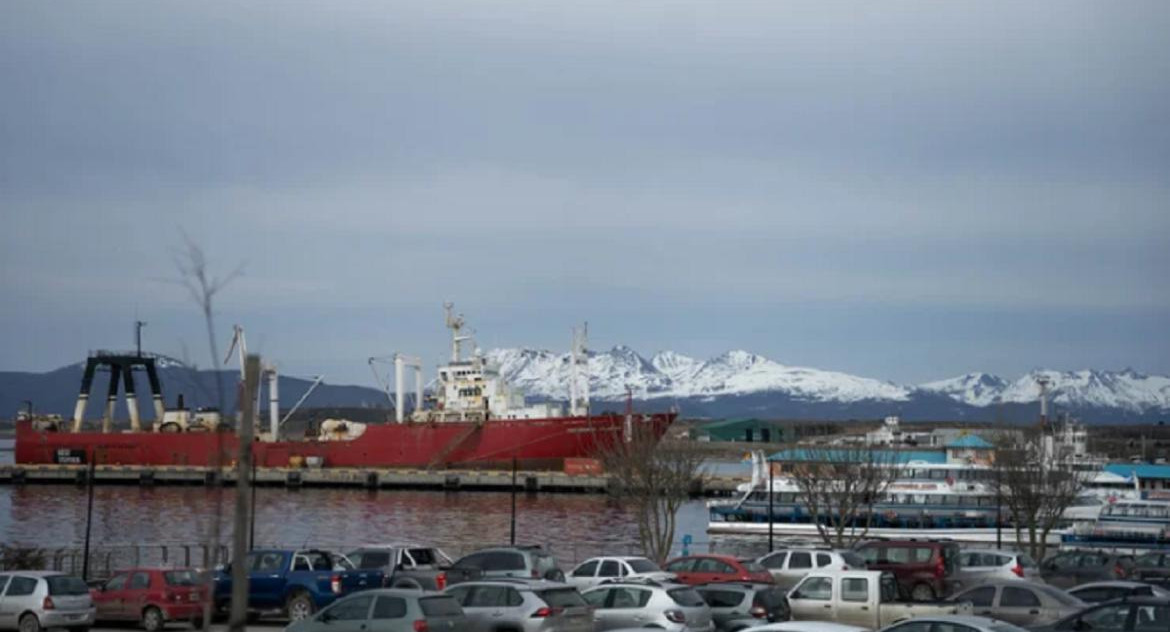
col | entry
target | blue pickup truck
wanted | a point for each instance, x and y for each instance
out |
(295, 583)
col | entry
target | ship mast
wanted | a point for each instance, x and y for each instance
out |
(455, 324)
(578, 369)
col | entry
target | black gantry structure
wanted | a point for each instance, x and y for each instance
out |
(121, 367)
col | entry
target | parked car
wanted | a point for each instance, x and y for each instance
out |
(529, 562)
(1132, 614)
(152, 597)
(407, 565)
(1071, 568)
(864, 598)
(809, 626)
(35, 600)
(1153, 568)
(706, 569)
(387, 610)
(1019, 602)
(980, 565)
(520, 605)
(596, 570)
(788, 566)
(925, 569)
(649, 604)
(1096, 592)
(295, 582)
(954, 623)
(741, 606)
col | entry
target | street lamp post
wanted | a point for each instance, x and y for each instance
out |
(771, 527)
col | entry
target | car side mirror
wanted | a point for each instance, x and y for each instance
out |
(796, 595)
(326, 617)
(1081, 625)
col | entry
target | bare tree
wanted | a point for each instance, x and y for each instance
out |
(653, 478)
(1035, 484)
(839, 486)
(203, 287)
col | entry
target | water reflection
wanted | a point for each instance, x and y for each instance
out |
(574, 526)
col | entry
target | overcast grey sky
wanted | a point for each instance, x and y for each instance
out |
(906, 190)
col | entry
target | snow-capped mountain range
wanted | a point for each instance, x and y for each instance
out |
(740, 374)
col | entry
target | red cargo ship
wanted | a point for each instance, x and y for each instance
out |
(474, 419)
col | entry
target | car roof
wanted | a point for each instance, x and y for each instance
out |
(516, 582)
(708, 556)
(969, 619)
(641, 584)
(395, 545)
(810, 626)
(996, 551)
(36, 573)
(1112, 584)
(624, 558)
(740, 586)
(399, 592)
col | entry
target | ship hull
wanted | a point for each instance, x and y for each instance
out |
(533, 443)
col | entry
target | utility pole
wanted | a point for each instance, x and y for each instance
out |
(513, 538)
(88, 513)
(138, 325)
(771, 527)
(240, 531)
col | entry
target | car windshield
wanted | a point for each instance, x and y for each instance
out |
(686, 597)
(440, 606)
(66, 585)
(1060, 596)
(562, 597)
(180, 578)
(643, 566)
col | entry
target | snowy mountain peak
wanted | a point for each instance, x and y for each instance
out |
(1126, 390)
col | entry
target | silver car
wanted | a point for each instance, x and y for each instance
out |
(953, 623)
(1019, 602)
(649, 604)
(977, 566)
(33, 600)
(519, 605)
(386, 610)
(1096, 592)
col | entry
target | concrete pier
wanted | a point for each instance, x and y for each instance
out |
(357, 478)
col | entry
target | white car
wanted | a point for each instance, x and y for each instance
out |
(789, 566)
(594, 571)
(982, 565)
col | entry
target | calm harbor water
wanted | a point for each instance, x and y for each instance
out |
(574, 526)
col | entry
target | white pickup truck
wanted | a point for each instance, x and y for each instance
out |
(863, 598)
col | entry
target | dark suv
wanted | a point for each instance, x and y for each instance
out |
(925, 569)
(1072, 568)
(741, 606)
(526, 562)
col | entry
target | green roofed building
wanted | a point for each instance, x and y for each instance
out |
(746, 430)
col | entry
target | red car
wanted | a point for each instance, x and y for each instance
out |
(704, 569)
(151, 596)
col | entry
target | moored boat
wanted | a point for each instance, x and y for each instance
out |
(472, 418)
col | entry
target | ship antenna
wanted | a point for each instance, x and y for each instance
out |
(455, 323)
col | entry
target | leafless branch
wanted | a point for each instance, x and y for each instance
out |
(653, 478)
